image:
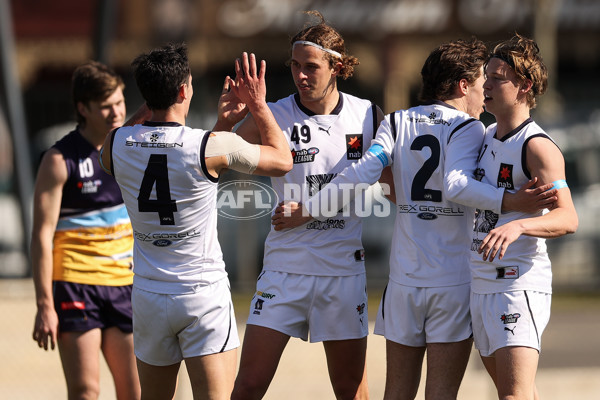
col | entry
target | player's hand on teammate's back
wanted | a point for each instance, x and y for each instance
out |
(289, 214)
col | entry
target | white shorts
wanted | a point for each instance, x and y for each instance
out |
(509, 319)
(415, 316)
(331, 307)
(169, 328)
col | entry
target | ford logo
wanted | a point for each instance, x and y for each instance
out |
(427, 216)
(162, 243)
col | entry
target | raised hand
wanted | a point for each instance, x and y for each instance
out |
(250, 86)
(230, 109)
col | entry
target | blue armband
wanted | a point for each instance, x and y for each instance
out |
(559, 184)
(377, 151)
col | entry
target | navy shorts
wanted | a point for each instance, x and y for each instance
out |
(82, 307)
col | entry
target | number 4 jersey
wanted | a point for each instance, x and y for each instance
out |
(171, 200)
(433, 151)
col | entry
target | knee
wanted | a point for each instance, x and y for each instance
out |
(248, 389)
(84, 392)
(351, 389)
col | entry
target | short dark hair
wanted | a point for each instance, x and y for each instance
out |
(93, 81)
(159, 74)
(448, 64)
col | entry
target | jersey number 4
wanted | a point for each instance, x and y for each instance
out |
(418, 191)
(157, 173)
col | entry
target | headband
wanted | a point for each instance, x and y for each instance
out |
(306, 42)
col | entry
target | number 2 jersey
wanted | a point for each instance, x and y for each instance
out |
(433, 150)
(322, 146)
(171, 200)
(525, 265)
(93, 241)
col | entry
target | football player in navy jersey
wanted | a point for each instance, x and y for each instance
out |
(81, 247)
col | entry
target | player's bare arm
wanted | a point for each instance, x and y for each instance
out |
(545, 161)
(273, 157)
(530, 197)
(250, 88)
(51, 178)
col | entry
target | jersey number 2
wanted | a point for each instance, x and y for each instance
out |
(157, 173)
(418, 191)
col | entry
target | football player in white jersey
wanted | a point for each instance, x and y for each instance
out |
(313, 282)
(511, 272)
(432, 149)
(168, 175)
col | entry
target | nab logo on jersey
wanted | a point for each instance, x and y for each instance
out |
(354, 146)
(505, 176)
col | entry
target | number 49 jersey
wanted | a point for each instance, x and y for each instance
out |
(429, 146)
(322, 146)
(171, 200)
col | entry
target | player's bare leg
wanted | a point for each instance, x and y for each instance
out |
(346, 362)
(404, 365)
(212, 376)
(158, 382)
(117, 347)
(80, 356)
(513, 371)
(446, 365)
(261, 353)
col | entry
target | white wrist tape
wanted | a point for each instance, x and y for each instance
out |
(241, 155)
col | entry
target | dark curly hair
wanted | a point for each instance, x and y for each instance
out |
(326, 36)
(160, 73)
(448, 64)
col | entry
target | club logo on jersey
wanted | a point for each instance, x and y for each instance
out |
(505, 176)
(354, 146)
(485, 221)
(510, 318)
(507, 272)
(316, 182)
(246, 200)
(304, 155)
(479, 173)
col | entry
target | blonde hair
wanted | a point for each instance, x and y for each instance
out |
(523, 56)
